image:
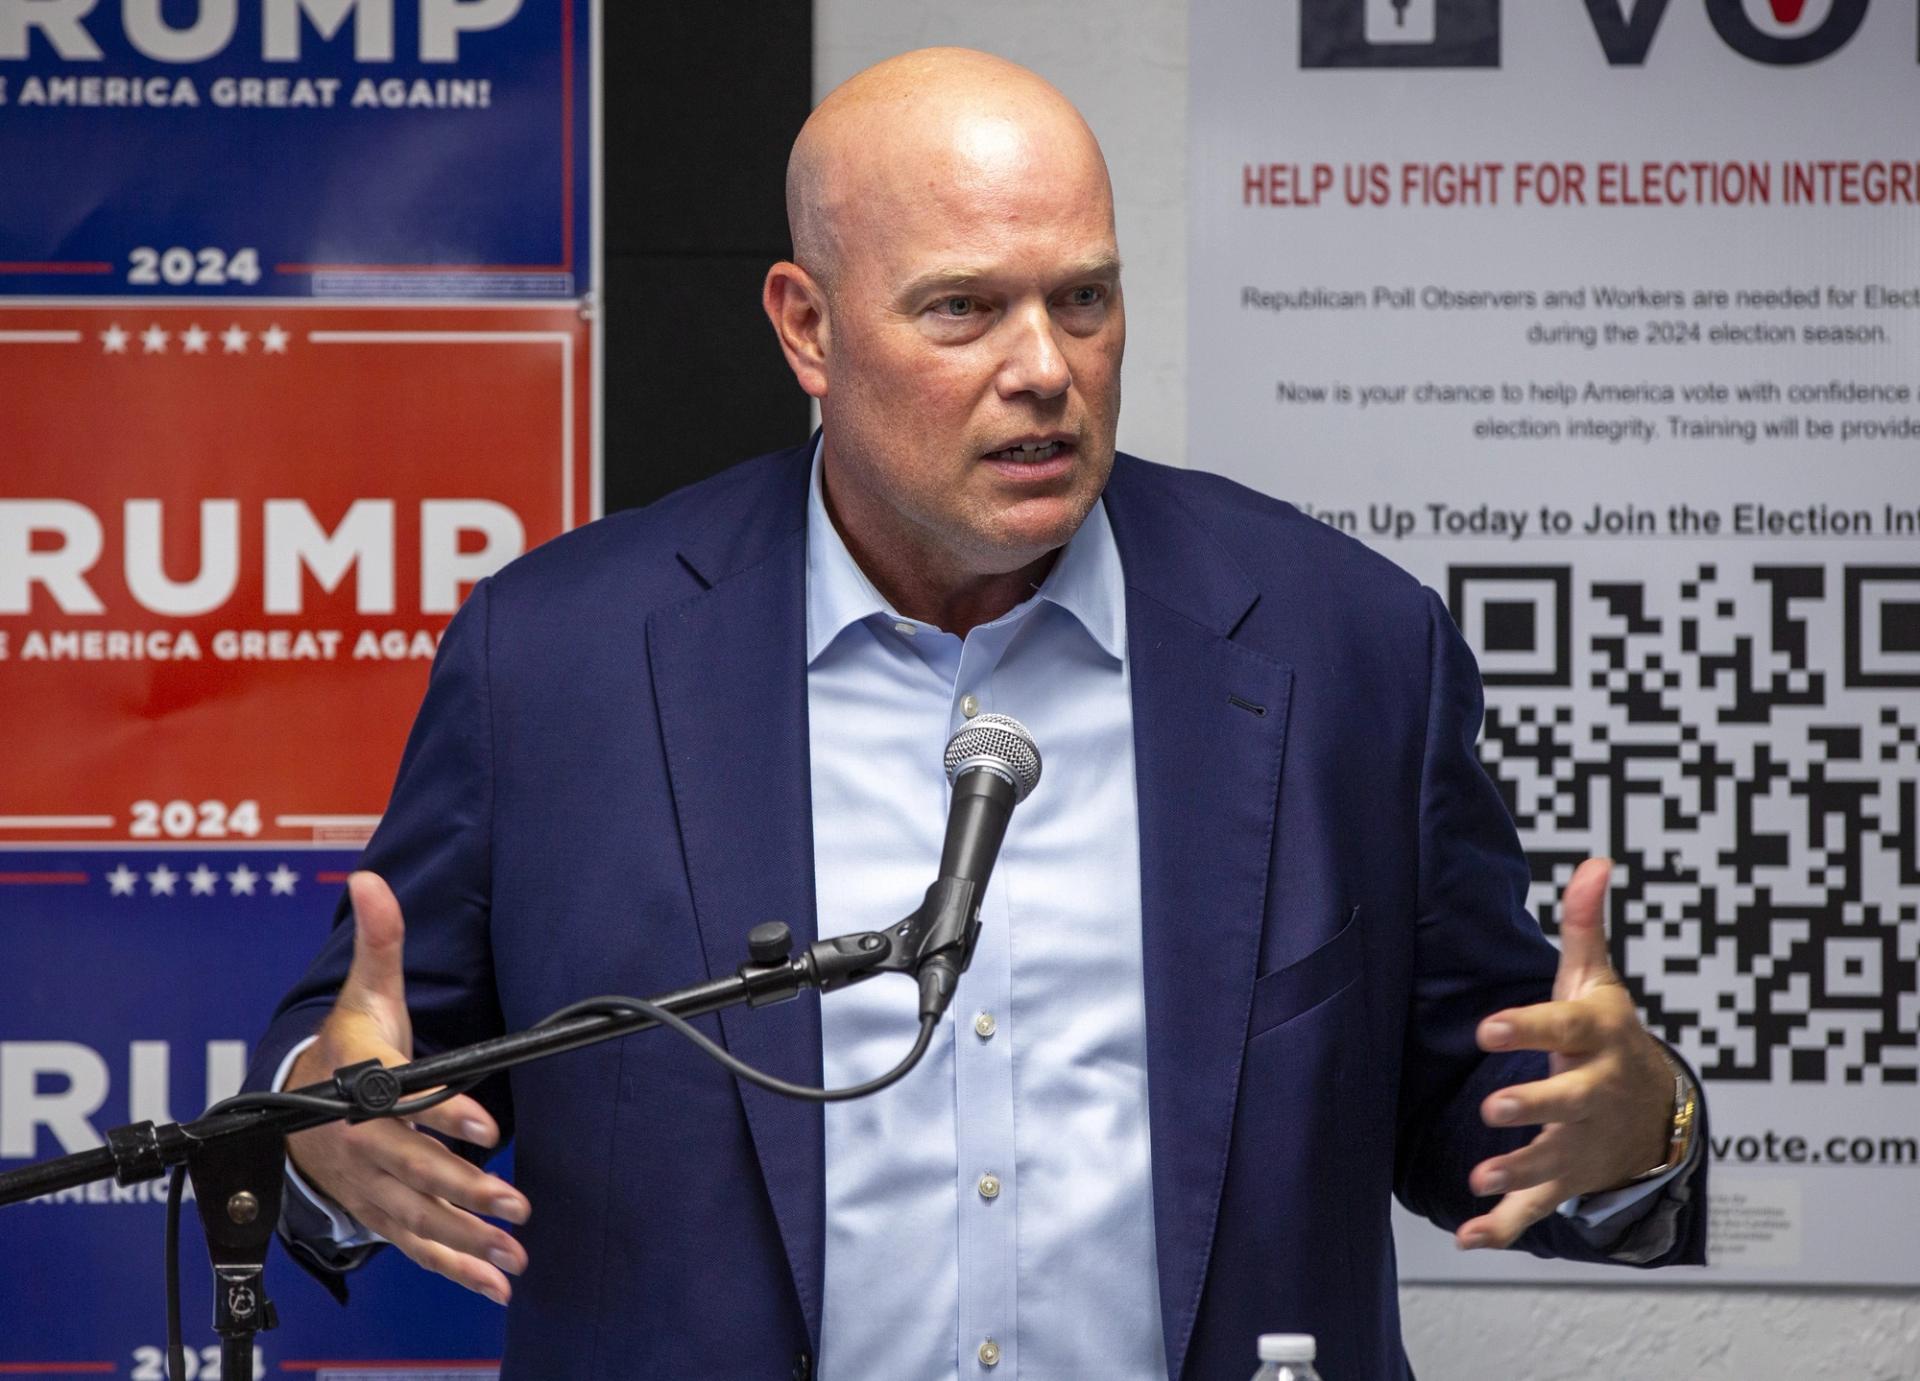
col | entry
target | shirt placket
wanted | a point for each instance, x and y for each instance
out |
(987, 1191)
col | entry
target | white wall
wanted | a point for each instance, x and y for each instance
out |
(1124, 63)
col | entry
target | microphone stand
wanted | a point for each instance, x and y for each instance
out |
(236, 1159)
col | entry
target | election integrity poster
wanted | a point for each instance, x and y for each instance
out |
(297, 343)
(1604, 320)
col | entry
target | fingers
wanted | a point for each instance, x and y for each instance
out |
(1566, 1097)
(1560, 1028)
(395, 1208)
(477, 1275)
(464, 1119)
(376, 975)
(1553, 1157)
(445, 1239)
(421, 1165)
(1606, 1116)
(1583, 929)
(1532, 1183)
(1513, 1215)
(421, 1197)
(1578, 1027)
(484, 1271)
(351, 1162)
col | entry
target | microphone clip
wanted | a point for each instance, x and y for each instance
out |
(935, 944)
(939, 938)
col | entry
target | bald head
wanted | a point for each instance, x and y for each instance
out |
(930, 121)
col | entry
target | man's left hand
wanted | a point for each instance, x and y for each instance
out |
(1605, 1111)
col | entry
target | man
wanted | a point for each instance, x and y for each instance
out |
(1254, 955)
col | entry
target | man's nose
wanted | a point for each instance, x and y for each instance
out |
(1034, 362)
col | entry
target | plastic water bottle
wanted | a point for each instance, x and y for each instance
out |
(1286, 1357)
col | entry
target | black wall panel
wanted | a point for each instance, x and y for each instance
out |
(701, 104)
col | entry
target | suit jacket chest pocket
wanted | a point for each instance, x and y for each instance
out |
(1318, 976)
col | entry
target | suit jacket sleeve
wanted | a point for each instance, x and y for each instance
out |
(434, 847)
(1478, 949)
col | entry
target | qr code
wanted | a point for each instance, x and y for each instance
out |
(1745, 744)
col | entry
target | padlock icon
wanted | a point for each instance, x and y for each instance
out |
(1400, 33)
(1401, 21)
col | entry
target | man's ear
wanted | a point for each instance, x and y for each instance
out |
(797, 306)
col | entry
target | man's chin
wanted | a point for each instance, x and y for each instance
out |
(1039, 527)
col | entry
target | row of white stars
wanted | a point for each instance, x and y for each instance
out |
(201, 882)
(194, 340)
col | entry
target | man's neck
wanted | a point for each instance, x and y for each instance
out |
(961, 608)
(936, 593)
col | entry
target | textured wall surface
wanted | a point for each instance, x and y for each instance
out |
(1580, 1334)
(1124, 63)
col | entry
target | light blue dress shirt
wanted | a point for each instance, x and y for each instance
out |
(992, 1214)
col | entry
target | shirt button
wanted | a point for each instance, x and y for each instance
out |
(905, 630)
(989, 1353)
(969, 705)
(983, 1025)
(989, 1186)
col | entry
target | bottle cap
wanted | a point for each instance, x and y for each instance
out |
(1286, 1347)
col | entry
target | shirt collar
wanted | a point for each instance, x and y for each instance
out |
(1086, 581)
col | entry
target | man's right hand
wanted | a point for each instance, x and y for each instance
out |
(400, 1182)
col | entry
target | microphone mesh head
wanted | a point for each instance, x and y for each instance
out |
(996, 741)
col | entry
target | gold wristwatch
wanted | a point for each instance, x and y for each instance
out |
(1686, 1108)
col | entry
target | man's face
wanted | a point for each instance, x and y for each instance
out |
(974, 335)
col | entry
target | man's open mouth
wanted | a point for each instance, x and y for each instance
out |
(1030, 452)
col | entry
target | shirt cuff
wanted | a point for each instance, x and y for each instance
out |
(1591, 1210)
(306, 1213)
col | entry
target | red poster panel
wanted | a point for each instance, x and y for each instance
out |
(230, 538)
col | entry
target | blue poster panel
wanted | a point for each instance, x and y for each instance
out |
(136, 979)
(332, 148)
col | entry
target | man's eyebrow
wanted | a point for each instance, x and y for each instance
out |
(942, 280)
(1100, 268)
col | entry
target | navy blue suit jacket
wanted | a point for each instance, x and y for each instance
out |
(608, 786)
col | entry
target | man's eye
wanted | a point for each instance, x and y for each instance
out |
(957, 306)
(1086, 297)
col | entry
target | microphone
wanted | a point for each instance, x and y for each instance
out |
(993, 765)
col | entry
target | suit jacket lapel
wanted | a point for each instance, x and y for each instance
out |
(729, 678)
(1209, 725)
